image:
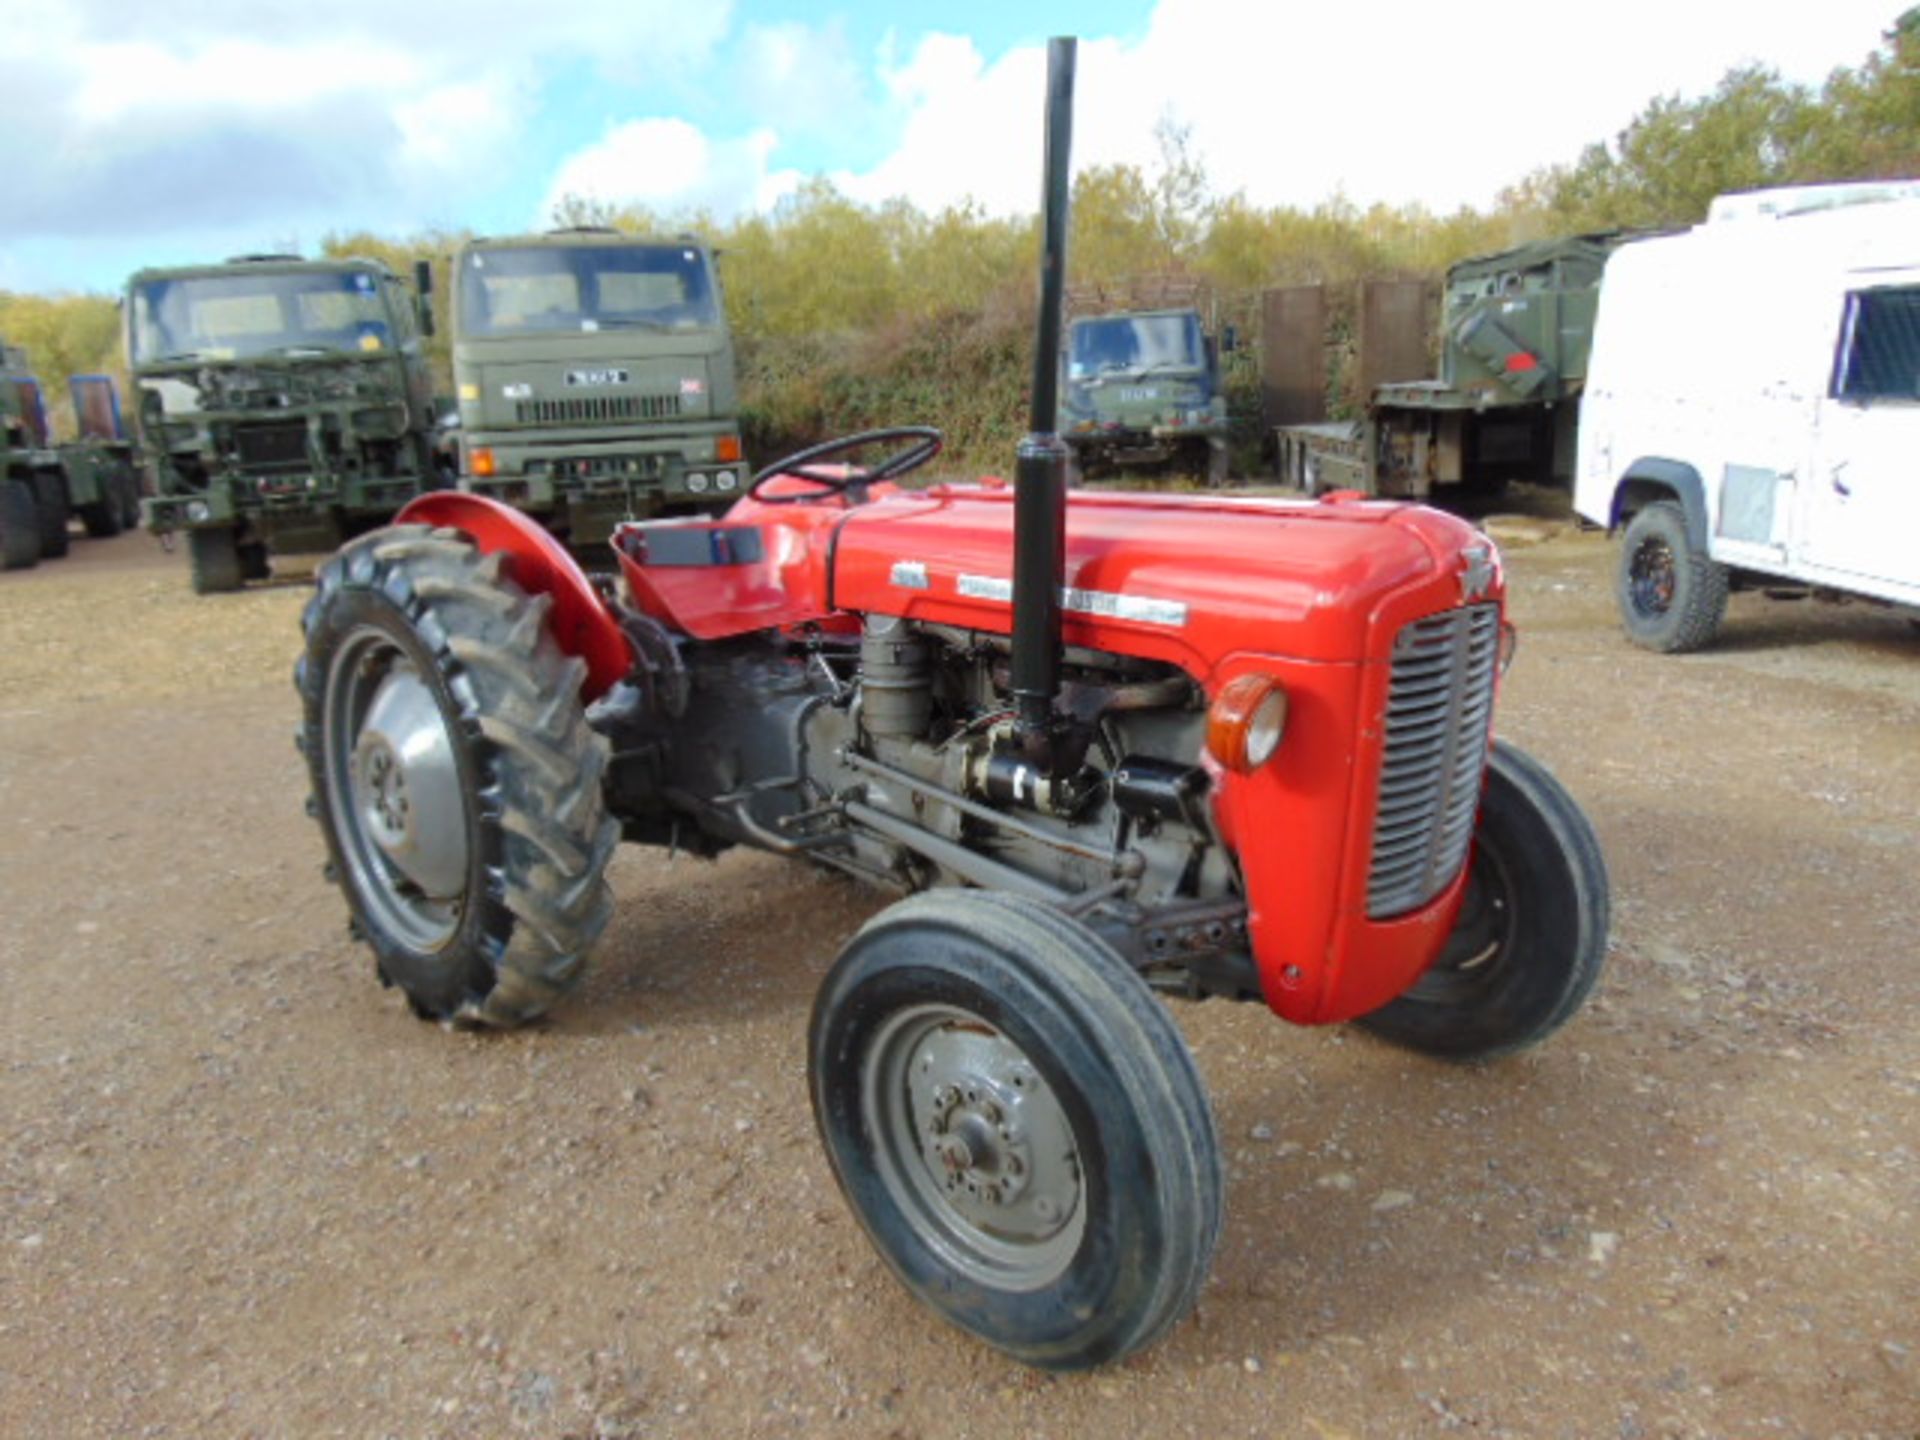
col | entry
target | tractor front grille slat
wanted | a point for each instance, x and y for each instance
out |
(1439, 714)
(597, 409)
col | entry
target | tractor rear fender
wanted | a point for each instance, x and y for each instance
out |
(579, 622)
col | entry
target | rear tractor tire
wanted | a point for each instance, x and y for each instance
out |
(1531, 936)
(19, 526)
(1672, 597)
(454, 776)
(1018, 1126)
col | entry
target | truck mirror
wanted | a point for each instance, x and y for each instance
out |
(423, 277)
(425, 307)
(1229, 340)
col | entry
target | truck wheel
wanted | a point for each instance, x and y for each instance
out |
(1532, 932)
(214, 561)
(254, 561)
(102, 516)
(127, 492)
(1018, 1125)
(19, 526)
(454, 776)
(1672, 597)
(50, 501)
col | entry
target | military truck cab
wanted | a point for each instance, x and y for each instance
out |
(285, 405)
(1752, 416)
(1143, 391)
(596, 378)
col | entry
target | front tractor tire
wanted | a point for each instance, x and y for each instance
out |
(1672, 597)
(1531, 936)
(1018, 1126)
(454, 776)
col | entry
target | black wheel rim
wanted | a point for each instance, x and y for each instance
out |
(1651, 577)
(1477, 951)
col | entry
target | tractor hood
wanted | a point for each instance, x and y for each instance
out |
(1205, 576)
(614, 378)
(1192, 580)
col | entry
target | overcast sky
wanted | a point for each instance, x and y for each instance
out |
(136, 133)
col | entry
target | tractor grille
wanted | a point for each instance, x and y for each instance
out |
(280, 446)
(1439, 710)
(597, 408)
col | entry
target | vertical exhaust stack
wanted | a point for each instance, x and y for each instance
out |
(1040, 475)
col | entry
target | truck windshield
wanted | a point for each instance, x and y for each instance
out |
(585, 287)
(1133, 342)
(239, 316)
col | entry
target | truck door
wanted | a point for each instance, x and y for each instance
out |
(1862, 502)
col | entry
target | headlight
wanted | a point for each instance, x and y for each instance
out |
(697, 482)
(725, 480)
(1246, 722)
(198, 511)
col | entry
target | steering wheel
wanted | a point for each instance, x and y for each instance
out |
(926, 443)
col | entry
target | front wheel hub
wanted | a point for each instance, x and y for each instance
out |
(975, 1146)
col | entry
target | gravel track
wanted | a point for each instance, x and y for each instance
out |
(244, 1193)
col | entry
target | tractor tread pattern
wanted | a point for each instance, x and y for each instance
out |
(546, 894)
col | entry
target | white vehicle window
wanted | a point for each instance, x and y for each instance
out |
(1880, 346)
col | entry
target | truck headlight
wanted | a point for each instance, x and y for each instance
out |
(725, 480)
(198, 511)
(1246, 721)
(697, 482)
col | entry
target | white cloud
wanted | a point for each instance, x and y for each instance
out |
(671, 167)
(122, 79)
(801, 80)
(227, 117)
(1292, 103)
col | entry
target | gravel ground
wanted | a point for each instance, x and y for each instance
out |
(243, 1192)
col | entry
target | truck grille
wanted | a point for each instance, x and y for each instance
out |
(597, 408)
(280, 446)
(1439, 711)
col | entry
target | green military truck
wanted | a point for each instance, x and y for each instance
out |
(42, 485)
(101, 468)
(284, 405)
(1516, 327)
(1143, 393)
(595, 375)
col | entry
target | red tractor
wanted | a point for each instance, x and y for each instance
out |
(1203, 745)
